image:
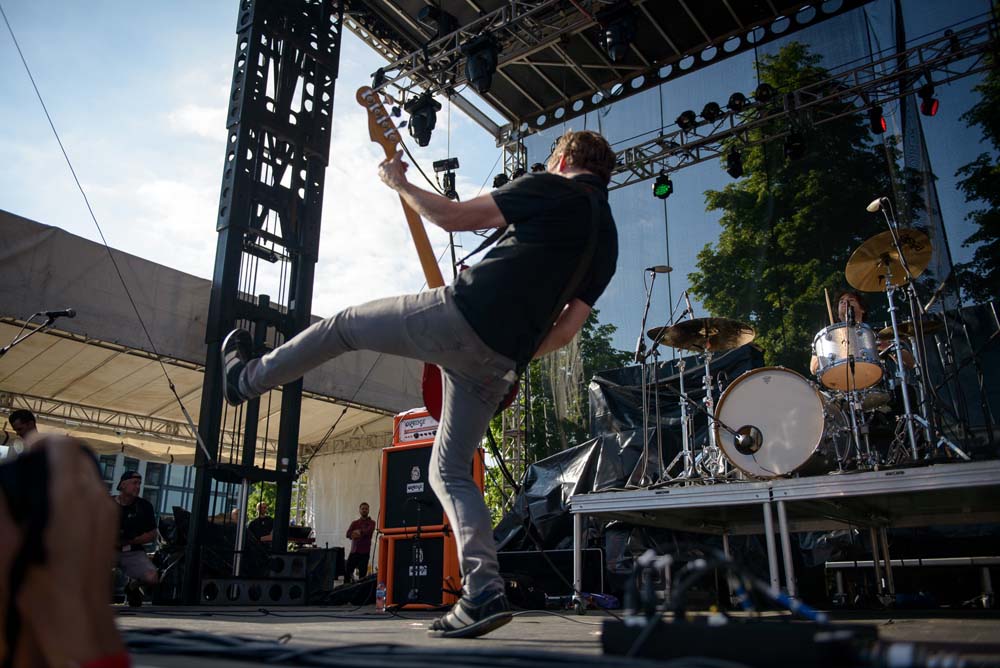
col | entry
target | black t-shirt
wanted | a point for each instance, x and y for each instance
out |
(136, 519)
(261, 526)
(509, 297)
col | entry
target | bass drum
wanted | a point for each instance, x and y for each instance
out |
(791, 427)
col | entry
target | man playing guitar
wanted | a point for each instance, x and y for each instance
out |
(529, 295)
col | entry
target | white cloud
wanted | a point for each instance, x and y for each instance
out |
(199, 120)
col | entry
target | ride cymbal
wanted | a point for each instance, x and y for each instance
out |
(873, 261)
(929, 325)
(700, 334)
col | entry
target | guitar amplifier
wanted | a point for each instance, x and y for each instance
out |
(408, 504)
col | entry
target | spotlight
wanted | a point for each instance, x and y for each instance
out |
(500, 179)
(481, 54)
(538, 167)
(687, 120)
(618, 26)
(764, 93)
(711, 112)
(737, 101)
(876, 121)
(435, 17)
(734, 164)
(663, 187)
(423, 117)
(518, 173)
(795, 146)
(928, 103)
(378, 78)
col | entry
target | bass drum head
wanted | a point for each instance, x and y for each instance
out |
(788, 411)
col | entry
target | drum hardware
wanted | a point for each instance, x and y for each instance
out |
(705, 336)
(889, 261)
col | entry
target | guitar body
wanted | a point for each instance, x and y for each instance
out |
(382, 131)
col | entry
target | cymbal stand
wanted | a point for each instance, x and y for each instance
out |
(907, 417)
(714, 463)
(686, 455)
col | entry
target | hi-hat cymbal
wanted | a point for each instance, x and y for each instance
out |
(877, 257)
(930, 325)
(700, 334)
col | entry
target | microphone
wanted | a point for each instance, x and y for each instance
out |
(937, 294)
(659, 269)
(65, 313)
(690, 309)
(876, 205)
(748, 439)
(850, 314)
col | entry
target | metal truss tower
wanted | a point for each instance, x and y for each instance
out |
(279, 123)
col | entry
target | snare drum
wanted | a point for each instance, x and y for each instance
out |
(794, 427)
(834, 348)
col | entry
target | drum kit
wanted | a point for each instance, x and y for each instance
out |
(773, 422)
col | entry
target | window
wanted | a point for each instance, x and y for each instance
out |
(154, 474)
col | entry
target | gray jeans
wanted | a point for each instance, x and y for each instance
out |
(475, 378)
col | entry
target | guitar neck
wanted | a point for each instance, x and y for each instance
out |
(432, 272)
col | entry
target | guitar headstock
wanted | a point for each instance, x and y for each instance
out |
(381, 129)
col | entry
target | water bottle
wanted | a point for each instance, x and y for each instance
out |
(380, 597)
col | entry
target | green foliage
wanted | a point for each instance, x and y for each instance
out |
(789, 226)
(980, 182)
(261, 491)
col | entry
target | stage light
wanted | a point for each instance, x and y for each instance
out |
(687, 120)
(518, 173)
(928, 103)
(423, 117)
(711, 112)
(876, 121)
(481, 56)
(737, 102)
(734, 163)
(764, 93)
(538, 167)
(378, 78)
(795, 146)
(663, 187)
(618, 25)
(500, 179)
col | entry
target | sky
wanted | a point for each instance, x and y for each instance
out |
(138, 92)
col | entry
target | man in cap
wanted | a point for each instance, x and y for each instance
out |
(136, 528)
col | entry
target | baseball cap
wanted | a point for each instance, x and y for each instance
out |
(128, 475)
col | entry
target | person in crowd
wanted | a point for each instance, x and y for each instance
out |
(136, 528)
(262, 526)
(360, 532)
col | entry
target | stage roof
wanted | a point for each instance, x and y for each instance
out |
(97, 377)
(552, 62)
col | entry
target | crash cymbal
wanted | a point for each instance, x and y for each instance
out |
(700, 334)
(930, 325)
(876, 257)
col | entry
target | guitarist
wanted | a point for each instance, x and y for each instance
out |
(529, 295)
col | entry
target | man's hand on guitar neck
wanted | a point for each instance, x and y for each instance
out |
(476, 214)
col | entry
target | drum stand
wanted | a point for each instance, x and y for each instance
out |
(858, 427)
(713, 461)
(907, 418)
(686, 455)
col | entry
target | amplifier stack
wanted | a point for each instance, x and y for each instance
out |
(418, 558)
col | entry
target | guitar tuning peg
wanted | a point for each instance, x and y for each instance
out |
(402, 125)
(396, 112)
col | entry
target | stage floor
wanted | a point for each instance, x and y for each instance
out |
(569, 633)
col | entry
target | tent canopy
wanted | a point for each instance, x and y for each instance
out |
(98, 377)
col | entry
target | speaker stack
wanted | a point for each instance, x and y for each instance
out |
(418, 558)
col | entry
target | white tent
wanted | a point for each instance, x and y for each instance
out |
(97, 376)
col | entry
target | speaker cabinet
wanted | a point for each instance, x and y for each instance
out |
(418, 570)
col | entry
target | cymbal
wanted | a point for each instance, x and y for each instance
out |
(700, 334)
(867, 268)
(930, 325)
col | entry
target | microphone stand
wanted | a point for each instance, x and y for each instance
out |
(640, 358)
(18, 338)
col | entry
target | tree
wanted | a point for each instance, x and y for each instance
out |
(789, 226)
(980, 182)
